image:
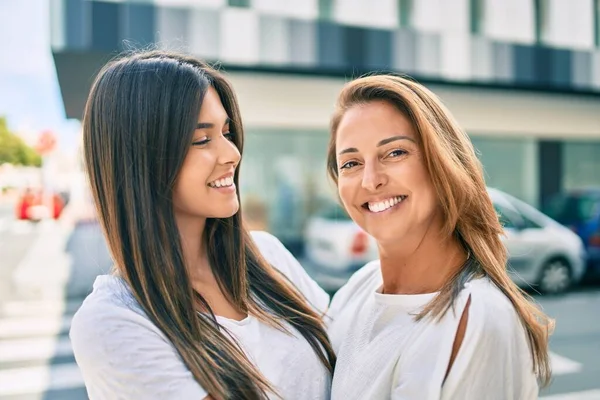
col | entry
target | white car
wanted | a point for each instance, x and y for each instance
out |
(542, 253)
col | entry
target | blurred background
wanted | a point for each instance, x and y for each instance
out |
(521, 76)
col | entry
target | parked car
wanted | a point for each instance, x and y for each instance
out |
(33, 205)
(579, 210)
(335, 247)
(542, 252)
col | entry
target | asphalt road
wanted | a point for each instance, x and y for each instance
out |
(36, 360)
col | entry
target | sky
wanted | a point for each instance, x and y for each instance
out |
(29, 92)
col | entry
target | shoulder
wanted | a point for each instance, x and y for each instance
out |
(121, 353)
(108, 317)
(493, 325)
(493, 331)
(491, 311)
(276, 254)
(366, 280)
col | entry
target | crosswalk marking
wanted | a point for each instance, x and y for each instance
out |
(16, 227)
(33, 326)
(36, 308)
(19, 350)
(39, 379)
(36, 332)
(562, 365)
(584, 395)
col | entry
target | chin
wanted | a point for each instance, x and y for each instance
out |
(383, 234)
(227, 212)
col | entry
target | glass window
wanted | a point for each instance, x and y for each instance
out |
(334, 212)
(106, 18)
(405, 8)
(510, 165)
(508, 218)
(581, 163)
(477, 16)
(573, 208)
(139, 23)
(239, 3)
(325, 9)
(597, 22)
(284, 180)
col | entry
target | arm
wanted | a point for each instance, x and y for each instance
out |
(122, 355)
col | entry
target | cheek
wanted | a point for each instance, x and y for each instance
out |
(344, 191)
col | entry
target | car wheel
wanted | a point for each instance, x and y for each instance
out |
(555, 277)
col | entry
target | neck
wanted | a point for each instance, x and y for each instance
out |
(191, 231)
(423, 268)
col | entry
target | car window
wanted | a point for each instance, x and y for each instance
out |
(507, 217)
(526, 221)
(334, 212)
(573, 208)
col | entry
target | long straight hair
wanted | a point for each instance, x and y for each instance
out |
(138, 126)
(468, 211)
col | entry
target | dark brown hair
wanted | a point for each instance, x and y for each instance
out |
(457, 176)
(138, 126)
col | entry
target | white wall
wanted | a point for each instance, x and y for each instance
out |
(302, 9)
(371, 13)
(441, 16)
(570, 24)
(293, 102)
(510, 20)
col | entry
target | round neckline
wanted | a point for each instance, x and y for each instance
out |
(404, 300)
(241, 322)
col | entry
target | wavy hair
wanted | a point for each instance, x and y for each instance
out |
(458, 179)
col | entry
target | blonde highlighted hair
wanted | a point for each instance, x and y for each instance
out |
(457, 176)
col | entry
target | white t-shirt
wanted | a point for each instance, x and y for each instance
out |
(384, 354)
(122, 355)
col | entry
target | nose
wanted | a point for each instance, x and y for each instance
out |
(228, 153)
(373, 177)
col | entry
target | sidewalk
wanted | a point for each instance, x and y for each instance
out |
(64, 259)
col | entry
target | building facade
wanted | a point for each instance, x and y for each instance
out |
(521, 76)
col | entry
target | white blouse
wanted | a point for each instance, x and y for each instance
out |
(123, 355)
(383, 353)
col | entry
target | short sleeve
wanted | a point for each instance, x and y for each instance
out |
(279, 257)
(494, 361)
(122, 355)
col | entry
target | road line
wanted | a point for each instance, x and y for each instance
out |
(39, 307)
(563, 365)
(37, 349)
(13, 328)
(36, 380)
(585, 395)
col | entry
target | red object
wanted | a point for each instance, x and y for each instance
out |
(360, 244)
(31, 198)
(595, 240)
(46, 142)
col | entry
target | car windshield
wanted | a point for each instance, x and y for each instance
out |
(573, 208)
(334, 212)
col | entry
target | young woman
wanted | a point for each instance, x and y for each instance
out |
(196, 308)
(437, 316)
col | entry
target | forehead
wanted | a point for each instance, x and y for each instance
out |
(368, 123)
(211, 107)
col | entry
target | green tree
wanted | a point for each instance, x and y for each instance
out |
(13, 150)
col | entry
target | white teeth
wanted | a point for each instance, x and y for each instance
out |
(384, 205)
(222, 182)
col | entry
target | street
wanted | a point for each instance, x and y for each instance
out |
(36, 360)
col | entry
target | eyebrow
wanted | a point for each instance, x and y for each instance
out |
(209, 125)
(381, 143)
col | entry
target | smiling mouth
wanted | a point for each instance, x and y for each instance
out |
(380, 206)
(222, 183)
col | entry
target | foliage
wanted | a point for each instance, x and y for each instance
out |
(14, 150)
